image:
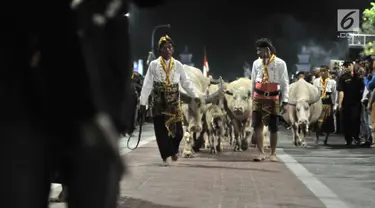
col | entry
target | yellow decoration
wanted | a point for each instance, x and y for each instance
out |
(167, 70)
(265, 72)
(162, 39)
(324, 86)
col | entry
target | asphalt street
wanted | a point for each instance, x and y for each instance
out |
(349, 172)
(337, 175)
(146, 136)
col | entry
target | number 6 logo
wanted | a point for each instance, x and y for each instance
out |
(347, 20)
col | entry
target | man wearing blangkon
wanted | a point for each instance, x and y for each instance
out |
(270, 77)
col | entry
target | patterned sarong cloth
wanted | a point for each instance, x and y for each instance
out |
(266, 105)
(326, 112)
(167, 103)
(325, 120)
(267, 108)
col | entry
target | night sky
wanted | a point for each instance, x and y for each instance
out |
(229, 29)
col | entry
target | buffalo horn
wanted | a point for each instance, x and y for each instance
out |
(211, 98)
(215, 81)
(317, 98)
(185, 98)
(291, 102)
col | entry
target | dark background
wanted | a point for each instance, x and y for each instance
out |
(229, 29)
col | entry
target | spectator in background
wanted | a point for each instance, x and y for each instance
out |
(357, 64)
(350, 88)
(316, 74)
(300, 75)
(333, 76)
(369, 81)
(308, 77)
(365, 132)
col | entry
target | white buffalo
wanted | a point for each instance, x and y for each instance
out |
(303, 110)
(239, 108)
(193, 109)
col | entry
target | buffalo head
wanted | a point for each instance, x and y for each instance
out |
(302, 114)
(196, 107)
(239, 100)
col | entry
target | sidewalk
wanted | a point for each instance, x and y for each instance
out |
(226, 180)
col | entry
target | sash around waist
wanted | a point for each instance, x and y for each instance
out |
(266, 91)
(166, 99)
(327, 100)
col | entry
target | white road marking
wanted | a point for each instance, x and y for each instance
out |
(123, 143)
(321, 191)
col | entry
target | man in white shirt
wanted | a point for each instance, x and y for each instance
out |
(162, 79)
(270, 78)
(327, 88)
(300, 75)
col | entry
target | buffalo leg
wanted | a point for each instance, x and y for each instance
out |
(295, 135)
(207, 143)
(237, 145)
(245, 140)
(210, 140)
(230, 131)
(219, 146)
(212, 145)
(326, 139)
(197, 142)
(188, 151)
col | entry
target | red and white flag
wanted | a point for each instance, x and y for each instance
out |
(206, 69)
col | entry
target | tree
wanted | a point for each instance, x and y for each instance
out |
(368, 27)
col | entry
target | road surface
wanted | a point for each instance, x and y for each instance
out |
(315, 177)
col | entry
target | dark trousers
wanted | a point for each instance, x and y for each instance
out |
(168, 146)
(29, 156)
(338, 122)
(351, 120)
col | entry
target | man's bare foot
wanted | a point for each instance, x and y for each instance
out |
(174, 158)
(273, 158)
(259, 158)
(165, 163)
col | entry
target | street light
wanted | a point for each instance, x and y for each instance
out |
(127, 14)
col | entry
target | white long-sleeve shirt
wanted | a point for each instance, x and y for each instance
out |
(156, 73)
(330, 87)
(277, 73)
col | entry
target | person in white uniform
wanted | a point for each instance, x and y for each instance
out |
(162, 80)
(327, 88)
(270, 79)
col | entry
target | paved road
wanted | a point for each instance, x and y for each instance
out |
(313, 177)
(348, 172)
(147, 136)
